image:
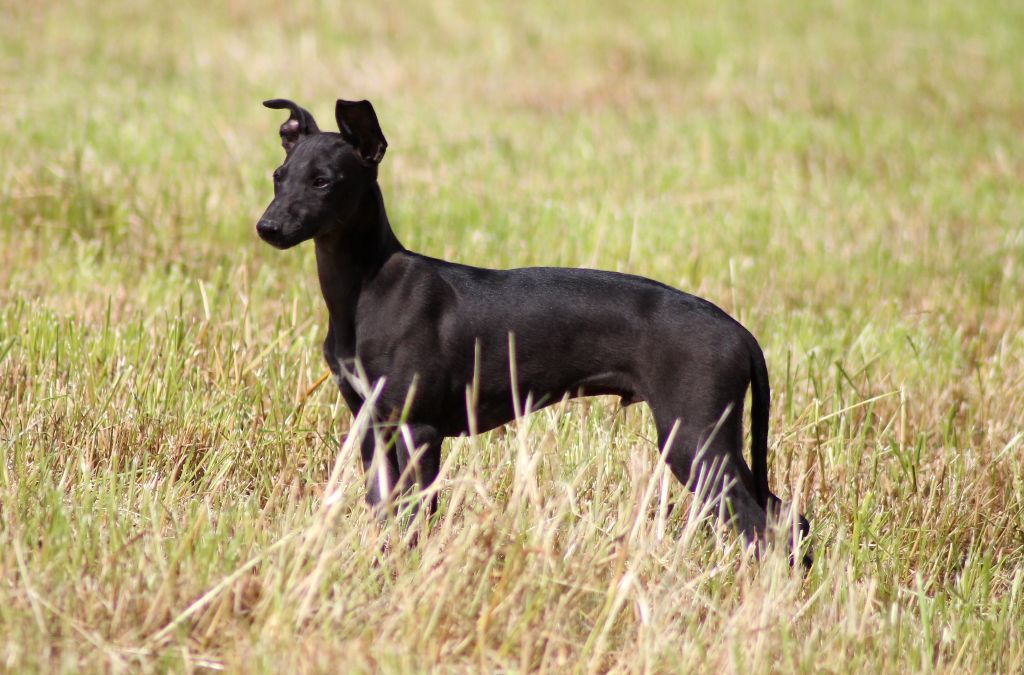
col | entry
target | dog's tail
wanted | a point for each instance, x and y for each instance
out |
(760, 404)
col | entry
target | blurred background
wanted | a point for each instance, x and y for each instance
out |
(873, 143)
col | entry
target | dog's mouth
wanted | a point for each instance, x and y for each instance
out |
(274, 238)
(280, 238)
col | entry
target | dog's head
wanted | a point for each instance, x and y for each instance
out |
(324, 176)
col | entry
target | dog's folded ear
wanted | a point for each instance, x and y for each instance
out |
(358, 125)
(299, 124)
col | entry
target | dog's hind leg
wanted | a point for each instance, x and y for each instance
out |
(706, 452)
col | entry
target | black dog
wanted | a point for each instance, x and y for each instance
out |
(439, 334)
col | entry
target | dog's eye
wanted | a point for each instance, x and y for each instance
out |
(277, 176)
(321, 182)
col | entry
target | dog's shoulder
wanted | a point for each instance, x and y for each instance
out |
(412, 280)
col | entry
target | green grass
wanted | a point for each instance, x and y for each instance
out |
(844, 177)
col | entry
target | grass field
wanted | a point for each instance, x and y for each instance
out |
(843, 177)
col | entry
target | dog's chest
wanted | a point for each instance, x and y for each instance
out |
(344, 370)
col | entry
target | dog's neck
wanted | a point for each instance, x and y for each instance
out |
(346, 262)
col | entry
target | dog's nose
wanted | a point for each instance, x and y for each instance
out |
(267, 228)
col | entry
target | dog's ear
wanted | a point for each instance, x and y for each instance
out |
(358, 126)
(299, 124)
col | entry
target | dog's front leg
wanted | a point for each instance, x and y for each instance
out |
(418, 449)
(396, 460)
(380, 468)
